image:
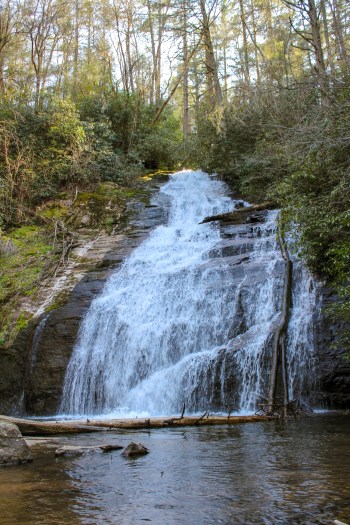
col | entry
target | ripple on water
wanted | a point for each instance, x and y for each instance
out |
(295, 472)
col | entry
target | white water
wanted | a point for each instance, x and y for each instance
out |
(166, 329)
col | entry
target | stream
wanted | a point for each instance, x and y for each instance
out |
(278, 472)
(189, 319)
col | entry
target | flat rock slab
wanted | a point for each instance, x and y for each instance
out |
(13, 448)
(135, 449)
(42, 441)
(71, 450)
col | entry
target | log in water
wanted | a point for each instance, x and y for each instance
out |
(32, 427)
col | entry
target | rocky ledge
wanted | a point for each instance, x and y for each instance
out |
(33, 368)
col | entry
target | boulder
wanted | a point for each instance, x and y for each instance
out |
(13, 448)
(135, 449)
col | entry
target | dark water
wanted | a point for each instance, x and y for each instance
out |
(295, 472)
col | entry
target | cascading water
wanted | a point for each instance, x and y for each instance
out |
(187, 318)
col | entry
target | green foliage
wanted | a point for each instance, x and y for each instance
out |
(64, 126)
(296, 153)
(66, 146)
(22, 267)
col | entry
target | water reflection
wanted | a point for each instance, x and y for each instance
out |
(295, 472)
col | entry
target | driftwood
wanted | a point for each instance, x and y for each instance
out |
(183, 411)
(202, 417)
(280, 336)
(240, 214)
(29, 427)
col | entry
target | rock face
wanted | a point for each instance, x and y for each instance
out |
(332, 368)
(13, 448)
(33, 369)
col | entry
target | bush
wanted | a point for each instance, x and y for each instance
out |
(299, 156)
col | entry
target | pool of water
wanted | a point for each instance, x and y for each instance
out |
(280, 472)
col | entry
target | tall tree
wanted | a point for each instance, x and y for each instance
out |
(214, 93)
(43, 32)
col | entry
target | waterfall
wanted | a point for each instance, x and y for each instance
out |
(36, 342)
(189, 316)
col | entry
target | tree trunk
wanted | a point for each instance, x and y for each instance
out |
(326, 37)
(128, 52)
(279, 358)
(214, 89)
(245, 44)
(76, 51)
(339, 34)
(173, 90)
(30, 427)
(256, 51)
(2, 78)
(317, 45)
(153, 48)
(185, 74)
(240, 214)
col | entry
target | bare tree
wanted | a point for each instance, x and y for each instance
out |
(8, 28)
(214, 93)
(43, 33)
(310, 16)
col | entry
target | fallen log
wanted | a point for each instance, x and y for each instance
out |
(279, 360)
(240, 214)
(30, 427)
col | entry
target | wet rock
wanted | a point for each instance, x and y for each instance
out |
(135, 449)
(41, 379)
(13, 448)
(332, 382)
(34, 386)
(71, 450)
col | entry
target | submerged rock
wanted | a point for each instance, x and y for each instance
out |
(72, 450)
(13, 448)
(135, 449)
